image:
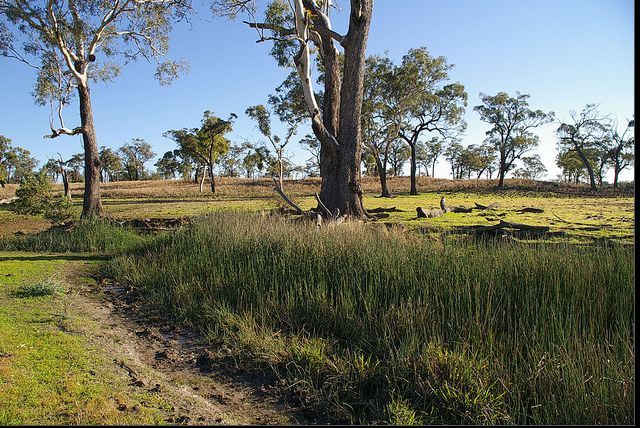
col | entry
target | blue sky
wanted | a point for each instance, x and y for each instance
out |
(564, 53)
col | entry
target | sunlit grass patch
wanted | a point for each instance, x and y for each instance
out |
(48, 375)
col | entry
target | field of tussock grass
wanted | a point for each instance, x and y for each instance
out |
(389, 327)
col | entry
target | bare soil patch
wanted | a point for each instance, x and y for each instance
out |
(199, 382)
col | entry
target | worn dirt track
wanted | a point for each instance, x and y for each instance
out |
(169, 360)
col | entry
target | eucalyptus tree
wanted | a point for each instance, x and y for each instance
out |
(231, 160)
(399, 154)
(111, 164)
(74, 166)
(511, 122)
(301, 29)
(262, 116)
(206, 144)
(453, 154)
(135, 155)
(255, 160)
(5, 150)
(621, 151)
(532, 168)
(428, 153)
(74, 42)
(51, 167)
(422, 101)
(15, 162)
(379, 130)
(585, 133)
(571, 166)
(62, 169)
(169, 164)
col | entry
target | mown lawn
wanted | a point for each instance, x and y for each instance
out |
(49, 374)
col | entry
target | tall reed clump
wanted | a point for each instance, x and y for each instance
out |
(392, 327)
(95, 237)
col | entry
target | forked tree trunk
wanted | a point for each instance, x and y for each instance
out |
(92, 204)
(587, 165)
(382, 173)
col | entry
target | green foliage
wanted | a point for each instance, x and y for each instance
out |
(111, 164)
(480, 333)
(134, 156)
(532, 169)
(15, 162)
(279, 17)
(169, 164)
(33, 195)
(59, 210)
(512, 121)
(400, 413)
(207, 144)
(134, 31)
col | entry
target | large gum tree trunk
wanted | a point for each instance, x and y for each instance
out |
(92, 204)
(341, 165)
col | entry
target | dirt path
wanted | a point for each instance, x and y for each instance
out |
(168, 360)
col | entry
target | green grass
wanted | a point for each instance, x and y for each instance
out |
(94, 237)
(48, 374)
(394, 327)
(599, 218)
(43, 287)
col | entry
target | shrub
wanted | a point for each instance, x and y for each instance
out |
(34, 198)
(33, 195)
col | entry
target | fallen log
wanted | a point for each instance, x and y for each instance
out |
(457, 209)
(486, 207)
(531, 210)
(312, 215)
(429, 213)
(384, 210)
